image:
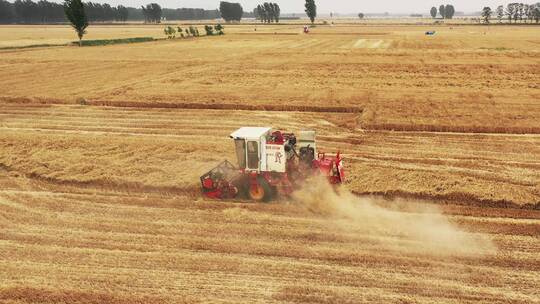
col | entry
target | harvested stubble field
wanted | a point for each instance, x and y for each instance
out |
(464, 79)
(101, 203)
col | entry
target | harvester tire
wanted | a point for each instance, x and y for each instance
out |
(263, 193)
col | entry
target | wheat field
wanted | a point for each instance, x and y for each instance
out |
(101, 149)
(464, 79)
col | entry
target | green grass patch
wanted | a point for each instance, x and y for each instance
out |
(29, 46)
(114, 41)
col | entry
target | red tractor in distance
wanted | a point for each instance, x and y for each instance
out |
(270, 163)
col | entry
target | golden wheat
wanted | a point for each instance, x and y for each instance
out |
(100, 159)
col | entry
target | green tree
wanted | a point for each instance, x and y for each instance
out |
(441, 11)
(122, 13)
(520, 11)
(267, 12)
(74, 10)
(260, 13)
(277, 12)
(536, 12)
(526, 11)
(510, 11)
(170, 32)
(500, 13)
(6, 11)
(230, 11)
(272, 13)
(449, 11)
(433, 12)
(486, 14)
(256, 13)
(516, 11)
(194, 31)
(219, 29)
(311, 10)
(361, 15)
(209, 30)
(152, 13)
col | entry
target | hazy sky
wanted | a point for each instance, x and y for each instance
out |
(339, 6)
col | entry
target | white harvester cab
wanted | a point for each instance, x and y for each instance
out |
(258, 151)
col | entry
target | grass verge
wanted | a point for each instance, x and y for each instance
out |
(114, 41)
(86, 43)
(29, 46)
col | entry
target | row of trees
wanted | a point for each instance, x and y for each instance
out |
(231, 11)
(31, 12)
(190, 14)
(26, 11)
(445, 11)
(215, 30)
(152, 13)
(43, 11)
(105, 12)
(513, 11)
(267, 12)
(193, 31)
(519, 11)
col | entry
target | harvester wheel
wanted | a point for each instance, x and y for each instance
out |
(262, 192)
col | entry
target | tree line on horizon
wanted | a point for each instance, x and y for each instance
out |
(513, 11)
(43, 11)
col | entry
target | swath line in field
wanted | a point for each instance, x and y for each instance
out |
(189, 105)
(225, 106)
(452, 129)
(353, 33)
(267, 34)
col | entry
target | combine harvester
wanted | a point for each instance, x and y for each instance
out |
(270, 163)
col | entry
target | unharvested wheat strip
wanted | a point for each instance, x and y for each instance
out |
(112, 123)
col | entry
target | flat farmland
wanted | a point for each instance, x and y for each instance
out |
(101, 149)
(465, 78)
(27, 35)
(102, 204)
(171, 148)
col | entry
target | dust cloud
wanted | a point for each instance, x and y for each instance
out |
(422, 228)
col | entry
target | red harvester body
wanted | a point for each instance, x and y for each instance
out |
(270, 163)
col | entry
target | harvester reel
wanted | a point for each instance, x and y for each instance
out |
(219, 183)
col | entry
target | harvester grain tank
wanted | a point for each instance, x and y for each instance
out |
(270, 163)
